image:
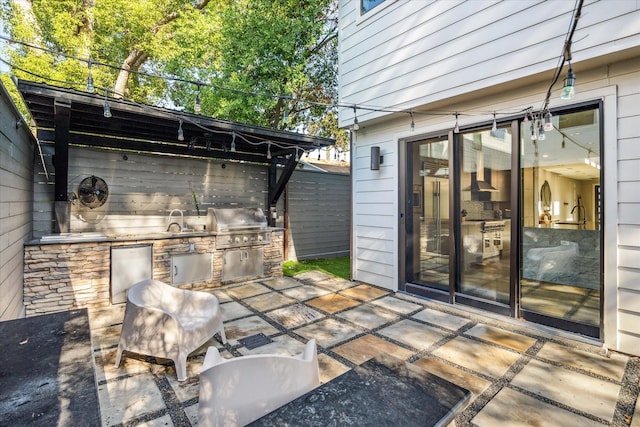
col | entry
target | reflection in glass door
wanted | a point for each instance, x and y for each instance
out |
(561, 274)
(485, 219)
(427, 222)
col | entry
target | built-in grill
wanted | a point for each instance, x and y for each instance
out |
(241, 234)
(237, 227)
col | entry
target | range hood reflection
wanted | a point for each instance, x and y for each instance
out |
(477, 179)
(477, 185)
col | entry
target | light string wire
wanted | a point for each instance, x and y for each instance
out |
(566, 53)
(148, 108)
(566, 56)
(332, 105)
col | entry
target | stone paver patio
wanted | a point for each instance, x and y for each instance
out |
(519, 376)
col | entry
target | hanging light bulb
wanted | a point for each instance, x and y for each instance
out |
(456, 129)
(90, 87)
(526, 118)
(318, 154)
(533, 132)
(569, 82)
(180, 132)
(285, 117)
(495, 125)
(297, 158)
(356, 126)
(563, 142)
(197, 107)
(233, 143)
(269, 151)
(548, 126)
(541, 135)
(106, 108)
(413, 125)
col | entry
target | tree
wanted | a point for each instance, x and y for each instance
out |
(258, 61)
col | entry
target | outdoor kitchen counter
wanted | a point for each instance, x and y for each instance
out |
(78, 270)
(99, 237)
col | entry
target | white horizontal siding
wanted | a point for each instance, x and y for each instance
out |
(16, 206)
(376, 192)
(414, 53)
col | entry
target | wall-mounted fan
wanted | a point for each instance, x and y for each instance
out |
(93, 192)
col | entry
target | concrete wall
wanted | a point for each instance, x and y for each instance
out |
(17, 147)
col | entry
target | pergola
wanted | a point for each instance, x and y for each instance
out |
(72, 117)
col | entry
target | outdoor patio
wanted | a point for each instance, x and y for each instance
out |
(518, 376)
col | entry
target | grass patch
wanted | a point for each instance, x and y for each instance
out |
(340, 267)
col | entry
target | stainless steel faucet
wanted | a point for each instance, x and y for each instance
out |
(581, 209)
(179, 224)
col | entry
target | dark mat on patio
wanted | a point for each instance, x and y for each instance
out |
(46, 371)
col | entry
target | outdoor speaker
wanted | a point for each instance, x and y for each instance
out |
(376, 159)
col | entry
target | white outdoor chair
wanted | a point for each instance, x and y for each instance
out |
(235, 392)
(164, 321)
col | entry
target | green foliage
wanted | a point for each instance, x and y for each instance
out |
(247, 52)
(339, 267)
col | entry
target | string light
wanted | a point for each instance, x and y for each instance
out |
(570, 79)
(197, 107)
(413, 125)
(180, 132)
(569, 82)
(297, 158)
(548, 125)
(233, 143)
(269, 151)
(456, 129)
(106, 109)
(541, 135)
(355, 118)
(533, 132)
(90, 87)
(495, 125)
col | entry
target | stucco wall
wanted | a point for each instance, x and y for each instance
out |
(16, 196)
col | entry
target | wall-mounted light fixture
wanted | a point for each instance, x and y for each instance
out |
(376, 158)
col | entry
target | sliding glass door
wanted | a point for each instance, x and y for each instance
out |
(427, 216)
(561, 276)
(484, 258)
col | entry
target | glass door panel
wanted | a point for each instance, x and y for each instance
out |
(561, 274)
(427, 223)
(485, 215)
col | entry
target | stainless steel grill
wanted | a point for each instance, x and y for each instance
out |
(237, 227)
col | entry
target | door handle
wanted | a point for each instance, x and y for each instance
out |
(175, 270)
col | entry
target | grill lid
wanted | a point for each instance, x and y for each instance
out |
(232, 219)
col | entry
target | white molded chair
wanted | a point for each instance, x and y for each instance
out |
(164, 321)
(235, 392)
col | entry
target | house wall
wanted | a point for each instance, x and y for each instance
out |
(16, 185)
(375, 201)
(405, 53)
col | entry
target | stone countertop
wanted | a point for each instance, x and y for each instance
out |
(89, 237)
(382, 391)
